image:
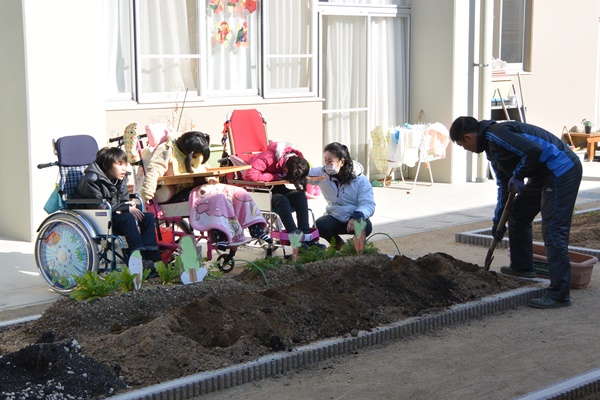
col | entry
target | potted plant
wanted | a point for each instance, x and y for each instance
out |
(587, 125)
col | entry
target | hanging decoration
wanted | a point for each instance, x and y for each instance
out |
(223, 33)
(250, 5)
(216, 6)
(241, 39)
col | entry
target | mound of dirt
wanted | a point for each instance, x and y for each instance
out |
(165, 332)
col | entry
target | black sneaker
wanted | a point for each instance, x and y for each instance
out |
(516, 272)
(547, 303)
(316, 243)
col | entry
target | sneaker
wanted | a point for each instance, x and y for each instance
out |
(515, 272)
(222, 246)
(547, 303)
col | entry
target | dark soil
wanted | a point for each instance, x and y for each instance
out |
(584, 230)
(165, 332)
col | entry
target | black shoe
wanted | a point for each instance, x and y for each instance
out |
(515, 272)
(222, 246)
(316, 243)
(149, 265)
(547, 303)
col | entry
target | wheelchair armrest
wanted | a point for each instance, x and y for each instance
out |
(138, 199)
(71, 202)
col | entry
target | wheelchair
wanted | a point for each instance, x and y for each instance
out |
(246, 133)
(72, 241)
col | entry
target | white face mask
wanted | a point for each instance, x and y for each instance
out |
(331, 169)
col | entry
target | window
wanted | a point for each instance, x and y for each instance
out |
(210, 48)
(512, 37)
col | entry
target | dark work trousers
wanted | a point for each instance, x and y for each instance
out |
(284, 202)
(329, 227)
(555, 198)
(142, 238)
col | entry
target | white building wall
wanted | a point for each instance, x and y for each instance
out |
(299, 123)
(58, 90)
(439, 74)
(15, 213)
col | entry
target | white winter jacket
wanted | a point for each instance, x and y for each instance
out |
(345, 200)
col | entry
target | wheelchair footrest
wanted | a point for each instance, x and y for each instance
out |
(283, 236)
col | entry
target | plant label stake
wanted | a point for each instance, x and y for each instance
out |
(295, 242)
(136, 267)
(192, 271)
(359, 235)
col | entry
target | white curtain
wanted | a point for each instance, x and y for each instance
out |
(232, 62)
(117, 49)
(388, 87)
(344, 82)
(354, 67)
(288, 52)
(169, 52)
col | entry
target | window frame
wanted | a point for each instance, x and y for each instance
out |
(203, 94)
(525, 65)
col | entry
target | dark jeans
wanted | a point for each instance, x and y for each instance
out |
(284, 202)
(329, 227)
(555, 198)
(142, 238)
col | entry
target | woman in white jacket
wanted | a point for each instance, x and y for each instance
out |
(348, 193)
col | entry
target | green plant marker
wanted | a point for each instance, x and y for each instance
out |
(192, 271)
(359, 235)
(136, 267)
(295, 242)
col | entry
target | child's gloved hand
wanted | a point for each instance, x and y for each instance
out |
(516, 184)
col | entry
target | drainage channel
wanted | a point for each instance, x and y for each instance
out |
(272, 365)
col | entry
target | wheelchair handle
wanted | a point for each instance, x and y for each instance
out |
(119, 138)
(52, 164)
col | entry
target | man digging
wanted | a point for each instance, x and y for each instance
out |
(518, 151)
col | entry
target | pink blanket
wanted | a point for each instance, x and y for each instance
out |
(227, 208)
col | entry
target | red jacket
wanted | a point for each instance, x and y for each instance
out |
(268, 165)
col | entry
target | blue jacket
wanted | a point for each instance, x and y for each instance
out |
(523, 151)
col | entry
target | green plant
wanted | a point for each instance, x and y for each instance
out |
(125, 280)
(90, 286)
(170, 272)
(587, 122)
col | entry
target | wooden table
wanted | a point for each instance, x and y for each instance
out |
(592, 142)
(238, 182)
(189, 178)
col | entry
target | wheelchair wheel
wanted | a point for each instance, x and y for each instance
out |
(225, 262)
(64, 249)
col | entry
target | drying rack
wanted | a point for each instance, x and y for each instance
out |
(419, 150)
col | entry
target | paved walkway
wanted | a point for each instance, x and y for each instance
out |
(400, 212)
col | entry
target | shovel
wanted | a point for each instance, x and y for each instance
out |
(501, 223)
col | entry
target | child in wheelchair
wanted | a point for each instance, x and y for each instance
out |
(106, 179)
(222, 210)
(283, 161)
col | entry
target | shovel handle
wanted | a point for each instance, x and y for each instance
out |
(503, 218)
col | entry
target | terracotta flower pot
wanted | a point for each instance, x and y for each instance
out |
(581, 266)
